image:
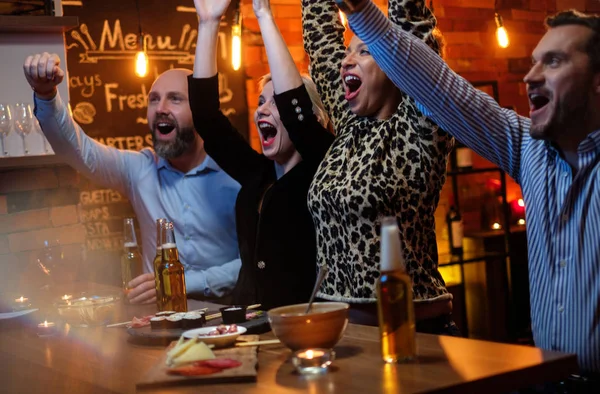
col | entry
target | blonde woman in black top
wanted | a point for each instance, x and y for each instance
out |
(275, 230)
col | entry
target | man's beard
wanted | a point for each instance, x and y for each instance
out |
(565, 118)
(184, 138)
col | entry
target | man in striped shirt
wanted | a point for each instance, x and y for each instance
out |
(554, 156)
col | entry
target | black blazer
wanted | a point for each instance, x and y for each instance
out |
(277, 245)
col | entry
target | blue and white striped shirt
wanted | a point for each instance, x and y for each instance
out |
(562, 210)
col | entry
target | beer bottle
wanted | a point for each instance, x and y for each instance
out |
(157, 261)
(170, 273)
(394, 299)
(131, 259)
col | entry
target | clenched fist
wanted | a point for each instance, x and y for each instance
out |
(43, 73)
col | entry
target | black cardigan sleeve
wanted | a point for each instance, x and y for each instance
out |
(310, 138)
(221, 140)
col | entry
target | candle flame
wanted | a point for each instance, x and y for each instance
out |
(310, 354)
(45, 323)
(496, 226)
(521, 222)
(21, 299)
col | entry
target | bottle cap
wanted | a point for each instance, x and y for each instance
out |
(391, 257)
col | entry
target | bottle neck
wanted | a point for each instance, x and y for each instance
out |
(170, 252)
(391, 258)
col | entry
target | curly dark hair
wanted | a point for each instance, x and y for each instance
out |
(592, 21)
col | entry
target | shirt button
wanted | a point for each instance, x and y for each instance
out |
(563, 264)
(300, 117)
(187, 206)
(561, 308)
(294, 102)
(261, 264)
(187, 237)
(298, 110)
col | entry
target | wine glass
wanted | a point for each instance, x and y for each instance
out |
(5, 124)
(23, 122)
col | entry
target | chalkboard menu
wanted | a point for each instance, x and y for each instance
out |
(109, 100)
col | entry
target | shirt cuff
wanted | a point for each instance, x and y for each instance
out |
(294, 105)
(369, 24)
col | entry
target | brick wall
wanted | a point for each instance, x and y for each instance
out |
(469, 29)
(38, 205)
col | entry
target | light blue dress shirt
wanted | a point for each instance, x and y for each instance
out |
(201, 203)
(562, 207)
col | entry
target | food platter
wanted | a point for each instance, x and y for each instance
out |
(147, 336)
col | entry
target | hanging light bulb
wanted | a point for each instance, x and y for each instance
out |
(141, 58)
(236, 40)
(501, 34)
(343, 18)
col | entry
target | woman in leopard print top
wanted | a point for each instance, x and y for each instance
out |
(388, 160)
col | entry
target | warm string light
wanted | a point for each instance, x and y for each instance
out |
(343, 19)
(501, 33)
(236, 40)
(141, 57)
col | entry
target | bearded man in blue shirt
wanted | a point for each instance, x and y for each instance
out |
(175, 180)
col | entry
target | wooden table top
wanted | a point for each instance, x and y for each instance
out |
(103, 360)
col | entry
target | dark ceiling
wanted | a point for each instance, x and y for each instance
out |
(25, 7)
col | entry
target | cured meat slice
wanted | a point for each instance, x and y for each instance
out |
(222, 363)
(193, 370)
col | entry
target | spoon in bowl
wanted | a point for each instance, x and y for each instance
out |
(320, 277)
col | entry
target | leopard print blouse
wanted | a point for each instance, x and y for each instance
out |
(374, 169)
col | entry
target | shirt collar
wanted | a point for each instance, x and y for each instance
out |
(207, 165)
(591, 143)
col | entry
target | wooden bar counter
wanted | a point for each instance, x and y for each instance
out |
(104, 360)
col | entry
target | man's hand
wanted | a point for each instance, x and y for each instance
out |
(43, 73)
(211, 10)
(143, 290)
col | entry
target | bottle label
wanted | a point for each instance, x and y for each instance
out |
(457, 234)
(463, 157)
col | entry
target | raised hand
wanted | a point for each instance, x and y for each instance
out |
(43, 73)
(211, 10)
(261, 8)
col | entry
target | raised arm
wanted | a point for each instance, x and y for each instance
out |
(310, 138)
(415, 18)
(467, 113)
(221, 140)
(105, 165)
(323, 35)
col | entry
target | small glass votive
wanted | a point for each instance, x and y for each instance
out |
(46, 329)
(313, 361)
(21, 303)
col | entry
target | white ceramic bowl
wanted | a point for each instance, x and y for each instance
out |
(217, 340)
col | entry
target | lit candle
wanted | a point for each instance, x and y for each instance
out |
(67, 297)
(22, 303)
(47, 328)
(313, 361)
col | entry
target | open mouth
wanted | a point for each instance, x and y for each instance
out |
(352, 85)
(164, 127)
(537, 102)
(268, 132)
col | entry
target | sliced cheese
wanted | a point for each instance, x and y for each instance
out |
(181, 346)
(198, 352)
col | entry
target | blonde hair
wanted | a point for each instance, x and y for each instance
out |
(311, 88)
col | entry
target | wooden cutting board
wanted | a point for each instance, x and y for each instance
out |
(157, 376)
